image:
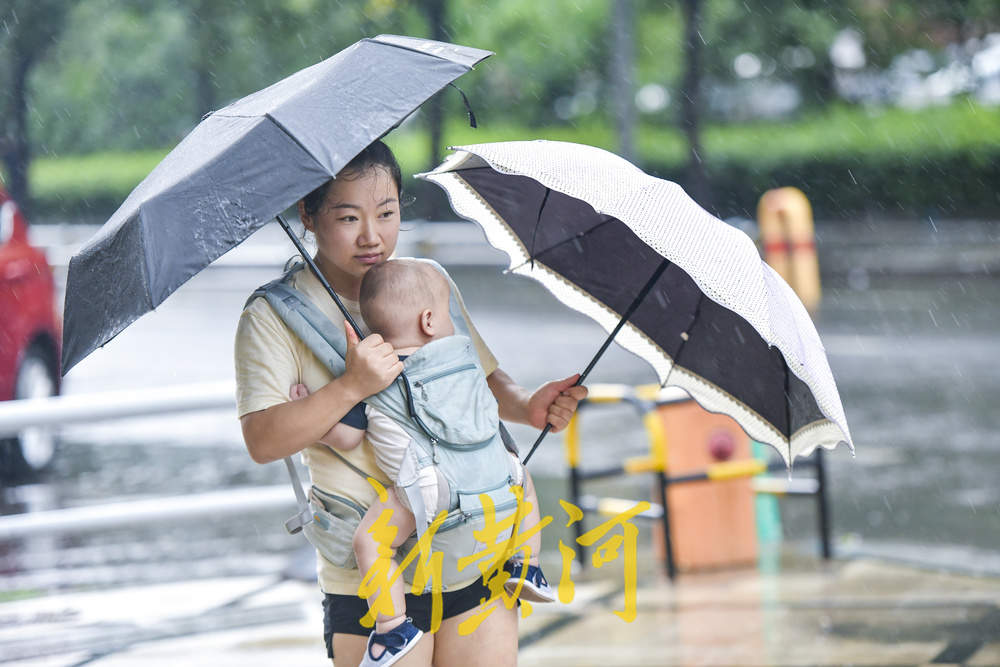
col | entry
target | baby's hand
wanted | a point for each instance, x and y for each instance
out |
(298, 391)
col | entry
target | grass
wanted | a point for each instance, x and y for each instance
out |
(844, 130)
(86, 176)
(17, 595)
(836, 131)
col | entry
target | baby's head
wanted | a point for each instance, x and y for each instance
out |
(406, 301)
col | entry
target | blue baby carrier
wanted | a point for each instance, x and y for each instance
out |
(444, 404)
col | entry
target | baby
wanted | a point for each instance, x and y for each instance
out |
(406, 301)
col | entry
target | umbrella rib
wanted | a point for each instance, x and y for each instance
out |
(292, 137)
(424, 53)
(788, 412)
(538, 222)
(685, 335)
(576, 236)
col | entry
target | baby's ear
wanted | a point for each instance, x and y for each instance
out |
(427, 322)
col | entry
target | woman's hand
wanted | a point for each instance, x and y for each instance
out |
(372, 364)
(553, 403)
(286, 428)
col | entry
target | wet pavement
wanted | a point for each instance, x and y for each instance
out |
(857, 612)
(911, 335)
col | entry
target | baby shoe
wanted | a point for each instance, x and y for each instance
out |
(535, 587)
(397, 642)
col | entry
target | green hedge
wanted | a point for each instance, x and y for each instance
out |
(963, 183)
(953, 185)
(849, 161)
(87, 186)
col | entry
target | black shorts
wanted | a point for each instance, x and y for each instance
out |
(342, 613)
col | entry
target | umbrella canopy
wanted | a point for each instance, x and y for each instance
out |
(689, 292)
(238, 169)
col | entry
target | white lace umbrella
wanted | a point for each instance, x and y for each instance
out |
(670, 282)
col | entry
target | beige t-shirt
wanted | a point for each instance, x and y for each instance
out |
(270, 358)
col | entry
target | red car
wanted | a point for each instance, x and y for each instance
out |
(29, 339)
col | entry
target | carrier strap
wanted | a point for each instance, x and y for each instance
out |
(417, 507)
(300, 495)
(508, 439)
(361, 473)
(409, 482)
(304, 516)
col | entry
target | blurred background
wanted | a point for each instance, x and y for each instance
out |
(885, 114)
(870, 107)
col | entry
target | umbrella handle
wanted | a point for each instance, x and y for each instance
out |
(319, 275)
(541, 436)
(548, 427)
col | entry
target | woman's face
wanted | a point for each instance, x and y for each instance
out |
(356, 227)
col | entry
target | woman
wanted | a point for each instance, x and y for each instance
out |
(355, 219)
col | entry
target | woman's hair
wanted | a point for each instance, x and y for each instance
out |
(376, 154)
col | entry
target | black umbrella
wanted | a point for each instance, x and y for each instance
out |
(670, 282)
(241, 167)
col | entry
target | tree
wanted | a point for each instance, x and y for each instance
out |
(791, 41)
(436, 13)
(900, 25)
(551, 58)
(697, 182)
(210, 35)
(30, 28)
(623, 75)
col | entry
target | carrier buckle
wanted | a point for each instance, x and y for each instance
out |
(295, 524)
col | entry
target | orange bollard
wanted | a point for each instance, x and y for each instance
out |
(786, 231)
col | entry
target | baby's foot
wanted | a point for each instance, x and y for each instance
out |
(386, 648)
(535, 587)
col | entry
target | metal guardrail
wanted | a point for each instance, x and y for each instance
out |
(213, 504)
(646, 400)
(16, 416)
(106, 406)
(451, 243)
